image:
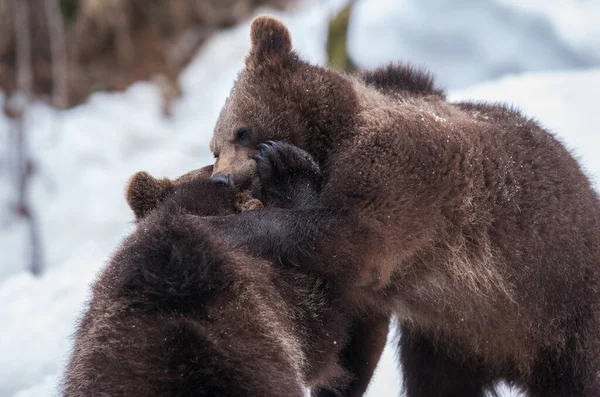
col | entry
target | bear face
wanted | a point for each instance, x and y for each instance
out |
(277, 97)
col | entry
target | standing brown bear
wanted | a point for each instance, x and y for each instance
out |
(469, 222)
(176, 313)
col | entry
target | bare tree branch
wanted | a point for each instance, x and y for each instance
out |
(23, 42)
(56, 32)
(17, 108)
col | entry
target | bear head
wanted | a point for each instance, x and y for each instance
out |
(279, 97)
(195, 192)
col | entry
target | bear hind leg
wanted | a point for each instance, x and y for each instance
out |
(430, 372)
(360, 357)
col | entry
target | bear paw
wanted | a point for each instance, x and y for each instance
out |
(288, 175)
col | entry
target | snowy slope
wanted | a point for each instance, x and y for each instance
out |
(470, 41)
(576, 22)
(86, 154)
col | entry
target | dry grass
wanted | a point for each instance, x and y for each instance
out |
(112, 43)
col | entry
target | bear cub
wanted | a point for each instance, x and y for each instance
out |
(177, 313)
(468, 221)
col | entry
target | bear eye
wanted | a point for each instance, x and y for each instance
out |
(242, 135)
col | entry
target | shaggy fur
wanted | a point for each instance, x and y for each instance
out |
(177, 313)
(471, 223)
(402, 79)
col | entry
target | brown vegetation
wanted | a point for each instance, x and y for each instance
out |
(95, 45)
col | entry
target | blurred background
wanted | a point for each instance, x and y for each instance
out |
(92, 91)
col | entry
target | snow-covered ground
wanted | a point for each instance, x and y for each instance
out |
(470, 41)
(84, 156)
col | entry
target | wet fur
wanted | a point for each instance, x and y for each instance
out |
(469, 221)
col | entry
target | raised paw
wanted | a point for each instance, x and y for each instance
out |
(289, 177)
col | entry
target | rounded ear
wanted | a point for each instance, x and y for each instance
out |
(270, 37)
(144, 192)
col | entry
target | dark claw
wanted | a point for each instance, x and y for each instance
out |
(226, 180)
(263, 149)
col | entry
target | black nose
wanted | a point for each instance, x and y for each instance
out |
(225, 179)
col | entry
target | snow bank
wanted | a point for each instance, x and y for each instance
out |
(470, 41)
(576, 22)
(85, 156)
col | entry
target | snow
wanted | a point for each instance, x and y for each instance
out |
(471, 41)
(575, 21)
(84, 156)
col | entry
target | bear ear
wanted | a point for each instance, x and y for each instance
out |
(144, 192)
(270, 37)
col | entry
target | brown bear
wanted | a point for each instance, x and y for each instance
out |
(468, 221)
(176, 313)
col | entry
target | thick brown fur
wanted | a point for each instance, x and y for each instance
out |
(400, 79)
(469, 222)
(177, 313)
